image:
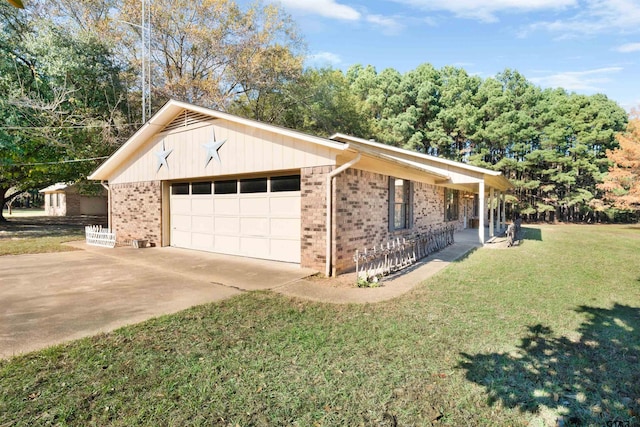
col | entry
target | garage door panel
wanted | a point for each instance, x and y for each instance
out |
(226, 205)
(202, 206)
(181, 222)
(254, 226)
(202, 224)
(285, 249)
(280, 205)
(181, 239)
(254, 247)
(253, 205)
(227, 244)
(285, 227)
(227, 225)
(180, 205)
(202, 241)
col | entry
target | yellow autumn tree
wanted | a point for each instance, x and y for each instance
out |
(622, 184)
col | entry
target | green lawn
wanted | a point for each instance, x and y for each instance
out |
(504, 337)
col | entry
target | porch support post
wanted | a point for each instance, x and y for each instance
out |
(503, 218)
(481, 209)
(498, 211)
(491, 212)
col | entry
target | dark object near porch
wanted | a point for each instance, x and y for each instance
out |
(512, 231)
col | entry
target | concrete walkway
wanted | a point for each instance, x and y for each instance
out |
(392, 286)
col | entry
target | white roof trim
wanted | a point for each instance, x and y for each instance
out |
(432, 171)
(377, 145)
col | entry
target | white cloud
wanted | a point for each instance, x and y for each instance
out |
(389, 25)
(589, 80)
(486, 11)
(326, 8)
(324, 59)
(629, 47)
(596, 16)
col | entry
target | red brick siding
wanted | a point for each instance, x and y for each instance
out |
(313, 232)
(136, 211)
(362, 213)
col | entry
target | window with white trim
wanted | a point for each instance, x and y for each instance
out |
(400, 200)
(451, 204)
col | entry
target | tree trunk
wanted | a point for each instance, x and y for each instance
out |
(3, 192)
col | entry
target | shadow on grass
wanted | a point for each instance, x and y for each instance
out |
(48, 226)
(594, 380)
(529, 233)
(468, 254)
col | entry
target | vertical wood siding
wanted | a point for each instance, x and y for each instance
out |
(246, 150)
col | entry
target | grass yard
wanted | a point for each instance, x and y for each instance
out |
(29, 231)
(37, 245)
(509, 337)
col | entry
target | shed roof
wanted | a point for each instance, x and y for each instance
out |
(59, 186)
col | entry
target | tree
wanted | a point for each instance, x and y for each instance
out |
(550, 143)
(210, 52)
(60, 101)
(319, 102)
(207, 52)
(621, 185)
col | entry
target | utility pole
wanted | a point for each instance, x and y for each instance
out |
(145, 57)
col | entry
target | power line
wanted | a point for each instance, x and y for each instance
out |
(64, 127)
(57, 163)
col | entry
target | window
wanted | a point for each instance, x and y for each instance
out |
(400, 199)
(57, 200)
(225, 187)
(180, 188)
(201, 187)
(51, 200)
(451, 204)
(285, 183)
(254, 185)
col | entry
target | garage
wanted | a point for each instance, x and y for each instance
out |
(257, 217)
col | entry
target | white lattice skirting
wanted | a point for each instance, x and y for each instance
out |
(98, 236)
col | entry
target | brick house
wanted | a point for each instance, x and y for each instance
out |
(63, 199)
(201, 179)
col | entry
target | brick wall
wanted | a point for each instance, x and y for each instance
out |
(313, 233)
(72, 202)
(136, 211)
(362, 213)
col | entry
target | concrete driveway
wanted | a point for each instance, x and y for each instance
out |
(46, 299)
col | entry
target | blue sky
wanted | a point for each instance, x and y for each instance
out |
(585, 46)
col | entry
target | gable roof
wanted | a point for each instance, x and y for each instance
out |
(168, 115)
(175, 114)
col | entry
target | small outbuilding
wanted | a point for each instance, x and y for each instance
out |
(65, 199)
(202, 179)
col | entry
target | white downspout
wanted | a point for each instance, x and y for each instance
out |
(330, 177)
(106, 186)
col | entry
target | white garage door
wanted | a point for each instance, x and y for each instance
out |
(257, 217)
